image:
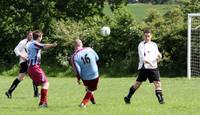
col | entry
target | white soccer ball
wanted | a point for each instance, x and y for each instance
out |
(105, 31)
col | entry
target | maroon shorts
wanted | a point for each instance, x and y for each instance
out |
(91, 84)
(37, 75)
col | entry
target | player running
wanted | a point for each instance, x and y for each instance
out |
(84, 62)
(35, 71)
(20, 50)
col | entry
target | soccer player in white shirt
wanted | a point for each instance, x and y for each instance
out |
(20, 50)
(149, 56)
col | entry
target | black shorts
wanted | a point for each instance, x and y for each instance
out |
(23, 67)
(151, 74)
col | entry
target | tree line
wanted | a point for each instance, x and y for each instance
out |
(62, 21)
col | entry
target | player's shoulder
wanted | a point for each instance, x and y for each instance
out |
(23, 41)
(153, 43)
(141, 43)
(31, 42)
(36, 43)
(88, 49)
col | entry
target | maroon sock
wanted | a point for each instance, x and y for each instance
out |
(92, 99)
(43, 98)
(87, 98)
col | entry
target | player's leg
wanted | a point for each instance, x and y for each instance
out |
(86, 99)
(141, 77)
(44, 90)
(91, 86)
(132, 90)
(39, 78)
(92, 99)
(158, 92)
(22, 73)
(14, 85)
(44, 94)
(35, 89)
(155, 78)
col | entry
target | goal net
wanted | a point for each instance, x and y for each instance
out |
(193, 45)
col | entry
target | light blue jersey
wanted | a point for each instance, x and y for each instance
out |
(34, 53)
(84, 63)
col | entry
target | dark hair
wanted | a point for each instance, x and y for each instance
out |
(147, 30)
(37, 34)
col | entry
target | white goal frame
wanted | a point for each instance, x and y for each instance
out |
(189, 42)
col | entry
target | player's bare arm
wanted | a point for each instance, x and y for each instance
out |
(46, 46)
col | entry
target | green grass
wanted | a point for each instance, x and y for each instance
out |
(140, 11)
(182, 98)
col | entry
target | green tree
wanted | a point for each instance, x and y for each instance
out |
(15, 22)
(115, 4)
(170, 34)
(189, 6)
(42, 13)
(79, 9)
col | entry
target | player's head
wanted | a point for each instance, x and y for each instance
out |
(29, 35)
(37, 35)
(147, 35)
(78, 43)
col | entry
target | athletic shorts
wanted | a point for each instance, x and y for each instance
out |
(23, 67)
(151, 74)
(37, 75)
(91, 84)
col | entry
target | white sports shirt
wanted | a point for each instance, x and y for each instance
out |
(21, 49)
(148, 52)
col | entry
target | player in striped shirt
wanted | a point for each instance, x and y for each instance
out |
(34, 70)
(20, 50)
(84, 62)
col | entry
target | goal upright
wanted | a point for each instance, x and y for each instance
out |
(193, 45)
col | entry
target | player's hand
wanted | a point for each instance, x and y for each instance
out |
(148, 63)
(79, 82)
(159, 57)
(24, 56)
(55, 44)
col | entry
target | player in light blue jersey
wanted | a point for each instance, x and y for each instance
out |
(84, 62)
(35, 71)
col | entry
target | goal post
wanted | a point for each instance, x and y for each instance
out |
(193, 45)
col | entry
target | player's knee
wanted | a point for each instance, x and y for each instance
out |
(157, 84)
(137, 85)
(45, 85)
(21, 77)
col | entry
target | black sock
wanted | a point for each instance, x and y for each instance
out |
(14, 85)
(131, 92)
(35, 89)
(159, 95)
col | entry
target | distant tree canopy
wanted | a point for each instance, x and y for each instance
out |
(19, 16)
(63, 20)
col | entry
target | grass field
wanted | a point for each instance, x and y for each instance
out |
(182, 98)
(140, 11)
